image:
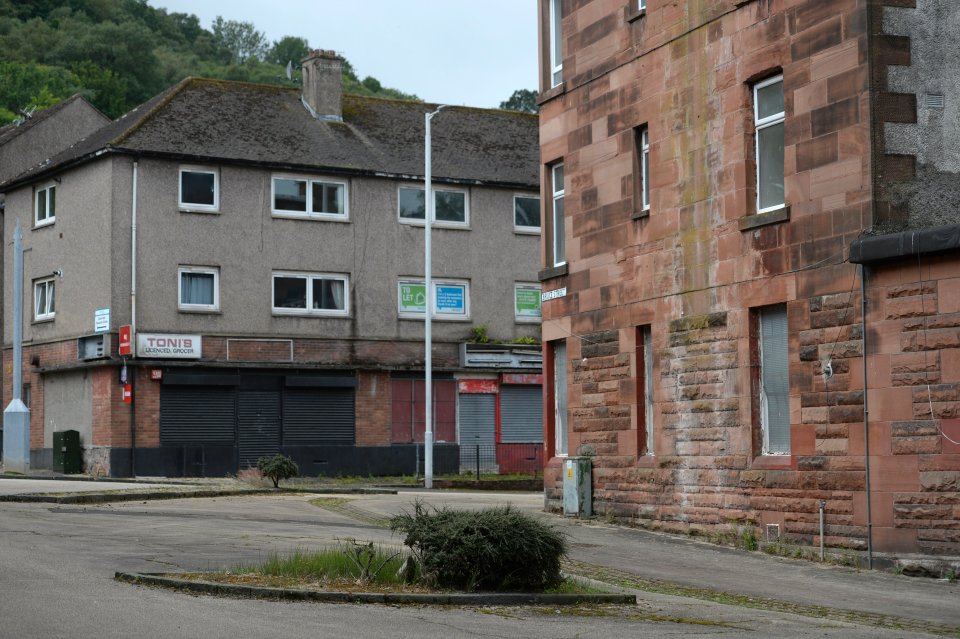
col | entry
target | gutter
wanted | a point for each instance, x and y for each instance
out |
(914, 243)
(275, 166)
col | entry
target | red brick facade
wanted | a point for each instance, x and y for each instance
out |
(110, 416)
(700, 263)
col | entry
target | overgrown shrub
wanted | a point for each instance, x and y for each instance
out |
(498, 549)
(278, 468)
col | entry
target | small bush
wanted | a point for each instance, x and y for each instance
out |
(499, 549)
(278, 468)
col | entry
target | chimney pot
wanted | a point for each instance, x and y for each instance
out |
(323, 85)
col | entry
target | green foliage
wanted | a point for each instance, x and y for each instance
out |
(120, 53)
(523, 100)
(288, 49)
(240, 39)
(278, 468)
(499, 549)
(478, 334)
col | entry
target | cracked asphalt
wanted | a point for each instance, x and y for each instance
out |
(57, 565)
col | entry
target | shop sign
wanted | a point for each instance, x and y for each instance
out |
(125, 348)
(472, 386)
(169, 346)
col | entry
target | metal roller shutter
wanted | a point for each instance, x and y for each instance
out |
(258, 423)
(478, 427)
(521, 414)
(197, 415)
(318, 416)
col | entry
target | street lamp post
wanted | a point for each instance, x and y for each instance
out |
(428, 314)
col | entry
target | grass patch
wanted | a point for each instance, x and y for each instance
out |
(361, 563)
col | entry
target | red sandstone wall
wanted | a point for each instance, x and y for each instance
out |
(700, 262)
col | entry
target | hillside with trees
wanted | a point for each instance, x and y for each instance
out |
(119, 53)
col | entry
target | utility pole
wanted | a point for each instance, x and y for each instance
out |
(16, 416)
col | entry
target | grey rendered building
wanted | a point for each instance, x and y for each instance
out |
(266, 249)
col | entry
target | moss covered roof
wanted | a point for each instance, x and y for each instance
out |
(268, 125)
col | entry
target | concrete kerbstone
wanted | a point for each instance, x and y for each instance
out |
(441, 599)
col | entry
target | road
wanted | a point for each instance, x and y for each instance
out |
(57, 564)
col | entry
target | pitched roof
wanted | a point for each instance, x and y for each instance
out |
(10, 131)
(218, 120)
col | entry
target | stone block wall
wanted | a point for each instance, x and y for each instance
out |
(700, 264)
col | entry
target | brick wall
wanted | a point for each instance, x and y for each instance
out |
(373, 408)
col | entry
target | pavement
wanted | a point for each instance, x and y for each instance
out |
(57, 563)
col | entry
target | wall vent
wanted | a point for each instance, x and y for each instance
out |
(934, 101)
(773, 532)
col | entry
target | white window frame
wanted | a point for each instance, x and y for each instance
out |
(763, 123)
(526, 230)
(561, 434)
(435, 223)
(558, 194)
(200, 270)
(645, 167)
(641, 5)
(193, 207)
(448, 317)
(556, 27)
(309, 214)
(49, 216)
(309, 311)
(50, 284)
(526, 319)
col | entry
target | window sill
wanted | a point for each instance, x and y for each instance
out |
(45, 320)
(553, 271)
(773, 462)
(184, 209)
(526, 231)
(528, 320)
(632, 15)
(317, 217)
(200, 311)
(640, 215)
(436, 318)
(309, 315)
(763, 219)
(44, 224)
(551, 93)
(436, 225)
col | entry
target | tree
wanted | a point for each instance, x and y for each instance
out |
(288, 49)
(241, 39)
(524, 100)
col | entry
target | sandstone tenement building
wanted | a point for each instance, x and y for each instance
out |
(751, 224)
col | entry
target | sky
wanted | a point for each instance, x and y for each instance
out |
(463, 52)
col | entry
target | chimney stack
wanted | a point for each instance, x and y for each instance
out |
(323, 85)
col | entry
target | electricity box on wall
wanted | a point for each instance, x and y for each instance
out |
(577, 487)
(93, 346)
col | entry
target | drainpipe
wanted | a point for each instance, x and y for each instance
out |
(133, 321)
(866, 411)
